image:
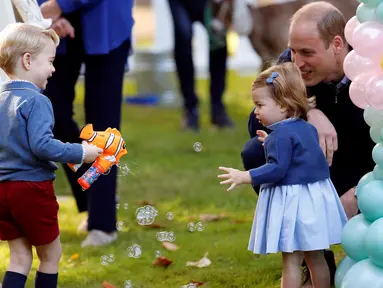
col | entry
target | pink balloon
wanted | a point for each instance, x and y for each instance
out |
(374, 92)
(349, 29)
(354, 65)
(367, 40)
(357, 89)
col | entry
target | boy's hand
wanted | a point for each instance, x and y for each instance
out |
(91, 152)
(234, 177)
(262, 135)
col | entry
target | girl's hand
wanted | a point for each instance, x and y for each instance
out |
(261, 135)
(234, 177)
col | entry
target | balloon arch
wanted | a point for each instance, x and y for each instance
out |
(362, 237)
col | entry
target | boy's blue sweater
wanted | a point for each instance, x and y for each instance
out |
(28, 149)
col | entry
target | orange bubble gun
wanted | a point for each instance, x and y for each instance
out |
(114, 148)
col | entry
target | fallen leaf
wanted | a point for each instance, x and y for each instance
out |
(204, 262)
(145, 202)
(162, 261)
(211, 217)
(74, 257)
(170, 246)
(155, 226)
(108, 285)
(196, 283)
(241, 221)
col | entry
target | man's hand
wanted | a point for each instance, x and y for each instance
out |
(63, 28)
(350, 203)
(234, 177)
(328, 138)
(51, 10)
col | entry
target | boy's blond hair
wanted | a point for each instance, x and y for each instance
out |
(287, 89)
(19, 38)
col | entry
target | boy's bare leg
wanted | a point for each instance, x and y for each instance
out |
(20, 256)
(291, 273)
(320, 274)
(49, 256)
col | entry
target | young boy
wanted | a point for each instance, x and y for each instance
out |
(28, 150)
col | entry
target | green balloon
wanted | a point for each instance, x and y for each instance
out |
(342, 270)
(365, 13)
(379, 13)
(372, 116)
(375, 131)
(377, 154)
(367, 178)
(353, 237)
(373, 242)
(371, 3)
(378, 172)
(370, 200)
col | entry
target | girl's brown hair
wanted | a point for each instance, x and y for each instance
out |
(287, 88)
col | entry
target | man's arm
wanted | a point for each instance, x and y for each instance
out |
(54, 8)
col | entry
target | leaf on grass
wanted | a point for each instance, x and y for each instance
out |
(108, 285)
(241, 221)
(162, 261)
(145, 202)
(170, 246)
(204, 262)
(211, 217)
(156, 226)
(196, 283)
(74, 257)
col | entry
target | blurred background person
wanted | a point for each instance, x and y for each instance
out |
(184, 14)
(97, 34)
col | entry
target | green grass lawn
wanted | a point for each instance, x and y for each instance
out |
(166, 171)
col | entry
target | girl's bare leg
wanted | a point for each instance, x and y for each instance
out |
(291, 273)
(319, 271)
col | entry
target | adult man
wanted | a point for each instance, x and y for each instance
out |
(318, 47)
(184, 14)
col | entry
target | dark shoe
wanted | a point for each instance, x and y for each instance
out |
(330, 259)
(221, 119)
(191, 120)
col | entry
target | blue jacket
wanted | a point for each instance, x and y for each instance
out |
(27, 146)
(106, 24)
(293, 155)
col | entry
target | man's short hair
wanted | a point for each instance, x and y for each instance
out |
(330, 21)
(19, 38)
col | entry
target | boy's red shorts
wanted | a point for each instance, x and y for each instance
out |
(28, 209)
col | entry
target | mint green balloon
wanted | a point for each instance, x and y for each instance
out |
(353, 237)
(364, 274)
(371, 3)
(374, 242)
(379, 13)
(371, 115)
(367, 178)
(377, 154)
(375, 131)
(370, 200)
(365, 13)
(378, 172)
(342, 270)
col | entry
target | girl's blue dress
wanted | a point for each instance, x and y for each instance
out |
(299, 217)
